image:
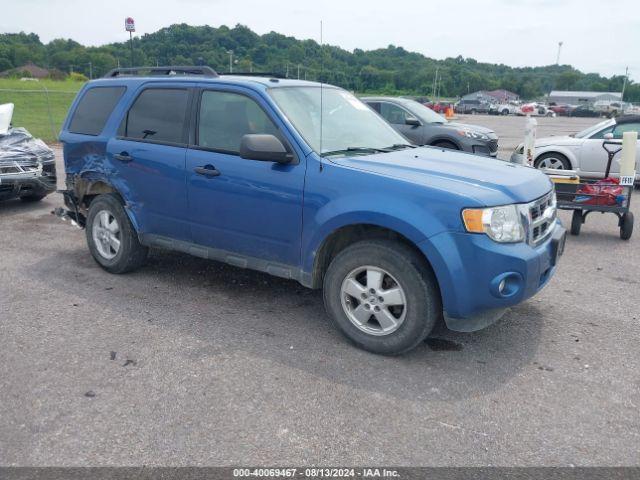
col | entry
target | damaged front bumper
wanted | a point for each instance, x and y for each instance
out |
(27, 178)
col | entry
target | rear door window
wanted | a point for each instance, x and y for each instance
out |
(157, 115)
(94, 109)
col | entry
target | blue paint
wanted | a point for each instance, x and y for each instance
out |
(281, 214)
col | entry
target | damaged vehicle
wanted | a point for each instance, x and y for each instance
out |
(27, 164)
(304, 181)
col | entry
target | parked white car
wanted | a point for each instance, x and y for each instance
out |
(535, 110)
(583, 151)
(506, 108)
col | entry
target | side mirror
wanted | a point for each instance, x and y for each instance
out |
(608, 136)
(413, 121)
(263, 147)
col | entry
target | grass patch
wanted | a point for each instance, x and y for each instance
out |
(41, 116)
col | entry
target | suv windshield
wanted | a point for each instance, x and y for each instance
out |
(423, 112)
(348, 125)
(594, 128)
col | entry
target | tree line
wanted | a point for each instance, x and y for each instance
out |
(391, 70)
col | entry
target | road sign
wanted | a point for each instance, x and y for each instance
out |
(129, 24)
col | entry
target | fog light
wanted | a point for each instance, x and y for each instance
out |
(506, 285)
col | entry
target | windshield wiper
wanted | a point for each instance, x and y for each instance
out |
(355, 150)
(398, 146)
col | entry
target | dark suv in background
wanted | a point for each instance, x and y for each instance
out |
(423, 126)
(472, 106)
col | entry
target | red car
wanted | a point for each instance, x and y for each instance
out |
(440, 107)
(563, 109)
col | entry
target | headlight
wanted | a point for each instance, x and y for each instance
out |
(470, 134)
(502, 224)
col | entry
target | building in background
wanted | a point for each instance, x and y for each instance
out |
(27, 70)
(559, 97)
(503, 96)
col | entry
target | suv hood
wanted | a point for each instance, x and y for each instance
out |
(487, 181)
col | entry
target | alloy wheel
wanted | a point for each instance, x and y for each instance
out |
(373, 300)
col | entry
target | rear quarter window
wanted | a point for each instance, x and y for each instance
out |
(94, 109)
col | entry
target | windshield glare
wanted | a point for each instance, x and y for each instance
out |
(588, 131)
(423, 112)
(346, 121)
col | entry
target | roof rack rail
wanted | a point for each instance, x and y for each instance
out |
(168, 70)
(255, 74)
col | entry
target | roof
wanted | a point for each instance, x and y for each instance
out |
(569, 93)
(250, 81)
(34, 70)
(502, 93)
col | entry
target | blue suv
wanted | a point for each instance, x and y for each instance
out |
(304, 181)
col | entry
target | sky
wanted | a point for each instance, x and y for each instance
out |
(598, 36)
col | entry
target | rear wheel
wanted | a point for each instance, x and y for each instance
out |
(576, 222)
(382, 296)
(112, 240)
(552, 161)
(626, 226)
(505, 112)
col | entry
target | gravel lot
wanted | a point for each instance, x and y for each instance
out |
(190, 362)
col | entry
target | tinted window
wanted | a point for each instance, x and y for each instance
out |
(375, 106)
(625, 127)
(158, 114)
(94, 109)
(600, 135)
(393, 114)
(226, 117)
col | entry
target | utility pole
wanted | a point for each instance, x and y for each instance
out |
(230, 52)
(90, 71)
(558, 56)
(435, 82)
(287, 74)
(131, 45)
(624, 84)
(298, 71)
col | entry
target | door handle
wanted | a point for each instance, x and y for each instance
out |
(123, 157)
(207, 171)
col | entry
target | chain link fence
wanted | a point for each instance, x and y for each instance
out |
(39, 109)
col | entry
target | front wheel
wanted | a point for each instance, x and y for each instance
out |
(112, 240)
(626, 226)
(576, 222)
(382, 296)
(552, 161)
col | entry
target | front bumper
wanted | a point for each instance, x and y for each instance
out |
(27, 182)
(470, 269)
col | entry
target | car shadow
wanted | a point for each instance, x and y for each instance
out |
(228, 308)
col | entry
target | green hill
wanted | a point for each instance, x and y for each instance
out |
(388, 70)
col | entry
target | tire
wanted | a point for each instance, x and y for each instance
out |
(505, 112)
(445, 144)
(626, 226)
(473, 111)
(32, 198)
(576, 222)
(553, 158)
(396, 265)
(129, 254)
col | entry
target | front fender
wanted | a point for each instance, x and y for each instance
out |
(410, 220)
